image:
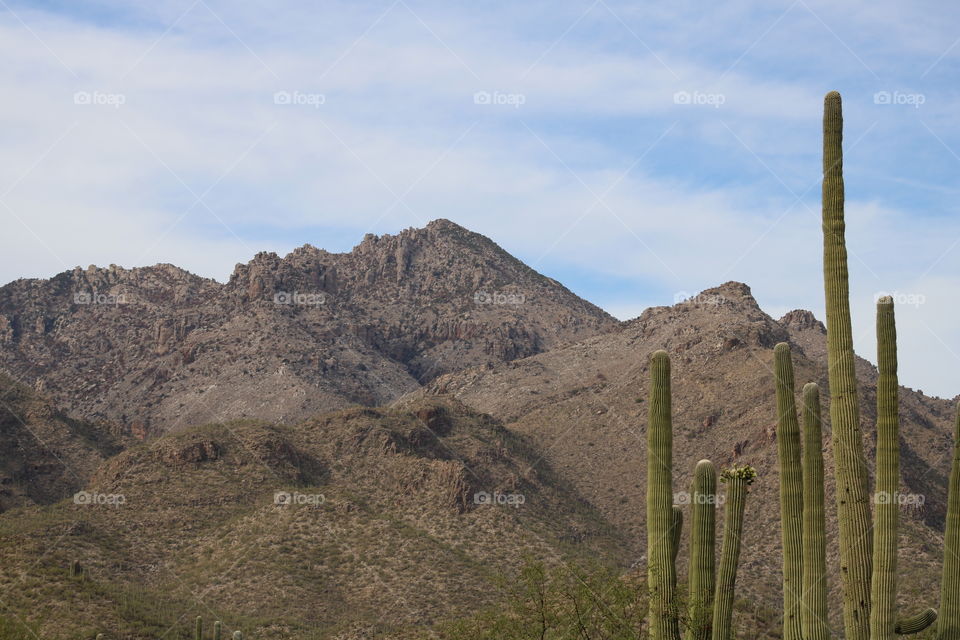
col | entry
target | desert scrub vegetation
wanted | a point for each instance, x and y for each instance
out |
(583, 602)
(559, 603)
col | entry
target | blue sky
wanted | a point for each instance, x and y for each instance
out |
(630, 150)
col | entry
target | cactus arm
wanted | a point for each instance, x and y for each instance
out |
(703, 551)
(853, 507)
(216, 630)
(676, 531)
(791, 491)
(813, 612)
(661, 571)
(198, 632)
(948, 624)
(915, 624)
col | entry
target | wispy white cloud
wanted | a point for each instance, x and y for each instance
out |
(664, 148)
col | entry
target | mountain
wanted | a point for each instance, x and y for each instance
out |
(584, 406)
(398, 381)
(155, 349)
(46, 455)
(361, 523)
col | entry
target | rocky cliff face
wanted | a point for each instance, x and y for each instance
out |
(157, 348)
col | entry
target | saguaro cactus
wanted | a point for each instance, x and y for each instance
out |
(887, 510)
(813, 613)
(198, 631)
(948, 624)
(216, 630)
(853, 507)
(661, 571)
(703, 551)
(737, 479)
(791, 491)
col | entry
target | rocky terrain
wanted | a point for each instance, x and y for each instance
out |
(584, 407)
(361, 523)
(46, 455)
(155, 349)
(399, 381)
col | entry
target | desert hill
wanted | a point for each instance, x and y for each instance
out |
(375, 531)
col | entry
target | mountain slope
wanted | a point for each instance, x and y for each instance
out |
(45, 455)
(380, 535)
(584, 406)
(156, 348)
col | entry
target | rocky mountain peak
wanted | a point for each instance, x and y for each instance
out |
(158, 348)
(802, 320)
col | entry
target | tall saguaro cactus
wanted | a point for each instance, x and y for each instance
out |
(853, 507)
(948, 624)
(703, 551)
(661, 571)
(887, 510)
(791, 491)
(737, 479)
(813, 613)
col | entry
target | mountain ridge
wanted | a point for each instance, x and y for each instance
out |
(311, 331)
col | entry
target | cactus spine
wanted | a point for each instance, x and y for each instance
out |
(791, 491)
(887, 509)
(813, 613)
(737, 479)
(703, 553)
(661, 571)
(853, 508)
(948, 624)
